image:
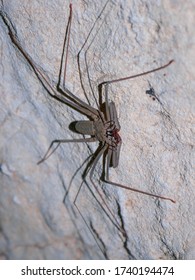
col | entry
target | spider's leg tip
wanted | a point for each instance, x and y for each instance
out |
(40, 161)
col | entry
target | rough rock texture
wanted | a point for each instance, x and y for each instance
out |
(37, 221)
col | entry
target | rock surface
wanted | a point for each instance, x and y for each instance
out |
(37, 219)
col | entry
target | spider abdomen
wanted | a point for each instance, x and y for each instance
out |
(85, 127)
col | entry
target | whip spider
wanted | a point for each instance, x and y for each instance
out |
(102, 125)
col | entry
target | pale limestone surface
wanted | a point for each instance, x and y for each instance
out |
(158, 137)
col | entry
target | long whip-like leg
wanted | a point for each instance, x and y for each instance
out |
(85, 174)
(107, 180)
(114, 152)
(88, 226)
(139, 191)
(115, 222)
(138, 75)
(58, 141)
(107, 210)
(91, 37)
(74, 175)
(61, 86)
(42, 77)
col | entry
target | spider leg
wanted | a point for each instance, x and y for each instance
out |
(91, 229)
(115, 222)
(84, 52)
(138, 75)
(42, 77)
(61, 85)
(104, 206)
(58, 141)
(107, 180)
